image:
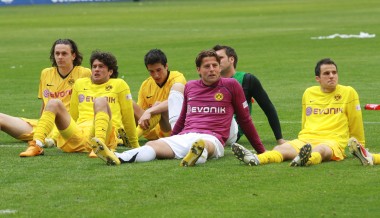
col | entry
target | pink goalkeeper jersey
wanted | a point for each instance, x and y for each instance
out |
(209, 110)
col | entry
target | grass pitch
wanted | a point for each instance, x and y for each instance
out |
(273, 41)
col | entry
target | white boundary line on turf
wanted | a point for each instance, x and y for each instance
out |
(8, 211)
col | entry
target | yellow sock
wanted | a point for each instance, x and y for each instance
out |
(102, 120)
(270, 157)
(45, 126)
(376, 158)
(139, 131)
(154, 120)
(315, 158)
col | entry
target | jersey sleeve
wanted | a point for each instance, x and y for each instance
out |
(244, 119)
(40, 87)
(255, 90)
(74, 103)
(355, 118)
(127, 114)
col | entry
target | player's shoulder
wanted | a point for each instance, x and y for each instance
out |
(81, 69)
(229, 81)
(83, 80)
(48, 70)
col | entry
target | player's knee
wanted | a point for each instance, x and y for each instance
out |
(178, 87)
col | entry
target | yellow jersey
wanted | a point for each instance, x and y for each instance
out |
(333, 116)
(150, 92)
(119, 99)
(52, 85)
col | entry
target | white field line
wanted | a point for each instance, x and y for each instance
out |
(7, 211)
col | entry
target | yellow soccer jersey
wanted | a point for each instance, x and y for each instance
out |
(150, 92)
(119, 99)
(336, 116)
(52, 85)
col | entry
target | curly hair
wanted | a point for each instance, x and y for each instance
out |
(107, 59)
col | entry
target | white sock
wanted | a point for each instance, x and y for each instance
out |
(141, 154)
(39, 143)
(203, 158)
(175, 101)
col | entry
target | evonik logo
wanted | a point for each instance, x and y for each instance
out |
(206, 109)
(318, 111)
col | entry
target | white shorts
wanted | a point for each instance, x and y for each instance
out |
(181, 144)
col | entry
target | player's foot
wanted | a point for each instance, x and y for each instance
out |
(360, 152)
(194, 153)
(32, 150)
(245, 155)
(103, 152)
(303, 157)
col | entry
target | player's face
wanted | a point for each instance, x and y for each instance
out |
(158, 72)
(209, 71)
(328, 79)
(100, 72)
(226, 63)
(63, 56)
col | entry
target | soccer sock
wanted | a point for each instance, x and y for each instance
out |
(270, 157)
(315, 158)
(102, 120)
(175, 101)
(142, 154)
(44, 127)
(203, 158)
(154, 120)
(376, 158)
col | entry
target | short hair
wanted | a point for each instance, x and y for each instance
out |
(205, 54)
(155, 56)
(107, 59)
(74, 50)
(230, 52)
(320, 63)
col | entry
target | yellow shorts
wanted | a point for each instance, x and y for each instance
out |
(156, 133)
(28, 136)
(76, 138)
(338, 152)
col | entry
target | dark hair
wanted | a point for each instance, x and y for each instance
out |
(320, 63)
(230, 52)
(205, 54)
(74, 50)
(107, 59)
(155, 56)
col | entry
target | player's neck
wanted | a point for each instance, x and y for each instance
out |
(229, 73)
(64, 71)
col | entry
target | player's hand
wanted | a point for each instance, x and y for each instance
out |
(144, 120)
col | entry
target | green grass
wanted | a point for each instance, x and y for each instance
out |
(273, 41)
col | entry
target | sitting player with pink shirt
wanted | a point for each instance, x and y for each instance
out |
(204, 123)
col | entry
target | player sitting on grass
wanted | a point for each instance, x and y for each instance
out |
(98, 106)
(202, 129)
(162, 89)
(56, 82)
(330, 115)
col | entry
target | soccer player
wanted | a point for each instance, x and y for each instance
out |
(365, 157)
(99, 106)
(203, 125)
(161, 90)
(331, 114)
(55, 83)
(252, 89)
